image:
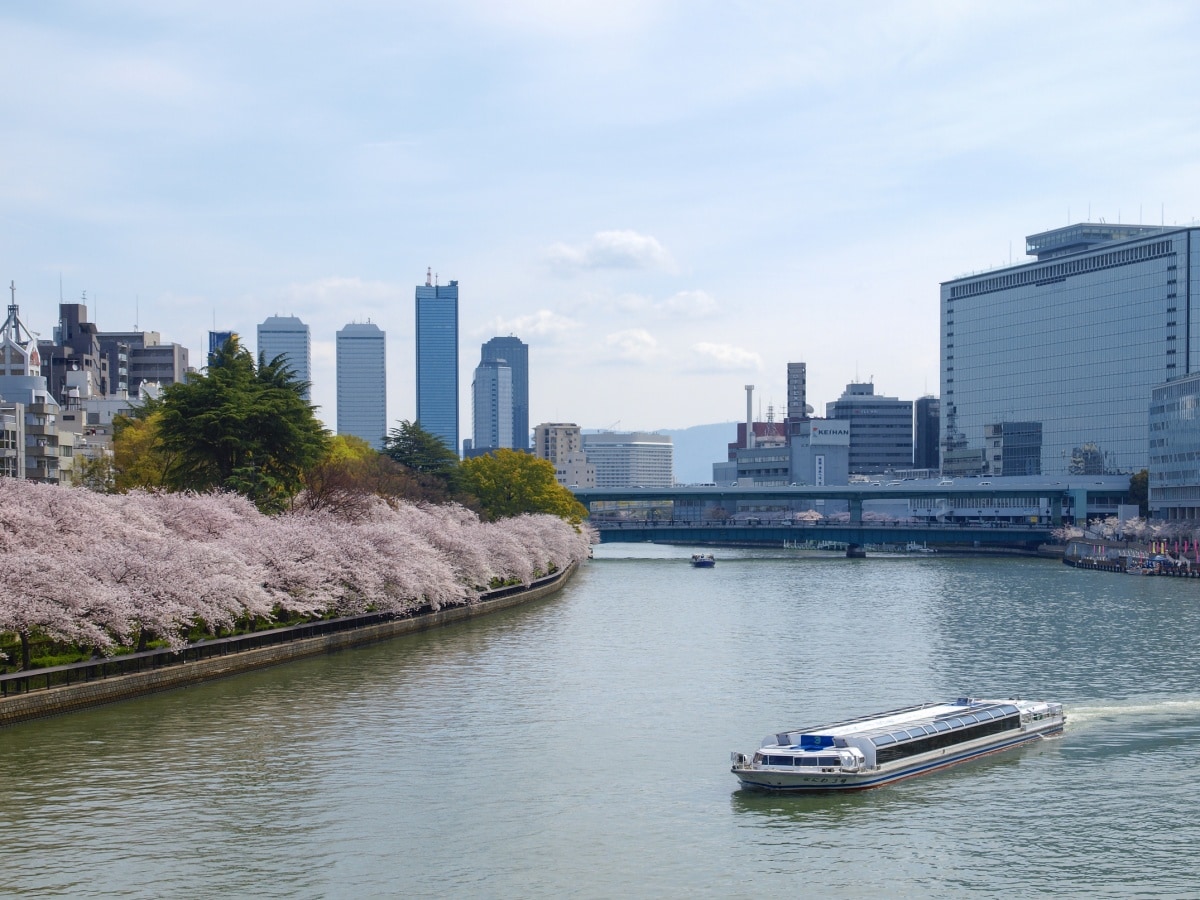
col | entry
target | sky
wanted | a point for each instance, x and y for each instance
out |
(665, 200)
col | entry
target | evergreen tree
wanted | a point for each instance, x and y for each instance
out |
(411, 445)
(240, 428)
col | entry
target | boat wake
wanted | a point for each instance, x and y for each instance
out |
(1185, 708)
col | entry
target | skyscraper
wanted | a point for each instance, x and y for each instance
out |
(491, 405)
(216, 340)
(1075, 339)
(437, 360)
(362, 383)
(515, 353)
(288, 337)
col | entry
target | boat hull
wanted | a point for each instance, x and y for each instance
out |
(767, 778)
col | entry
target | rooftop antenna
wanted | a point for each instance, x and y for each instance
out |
(429, 276)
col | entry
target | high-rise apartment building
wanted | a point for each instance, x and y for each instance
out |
(362, 383)
(141, 356)
(491, 405)
(515, 354)
(437, 360)
(881, 429)
(562, 444)
(288, 337)
(73, 358)
(1074, 341)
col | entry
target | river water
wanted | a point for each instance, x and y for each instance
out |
(579, 747)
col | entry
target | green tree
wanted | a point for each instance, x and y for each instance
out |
(510, 482)
(411, 445)
(138, 460)
(1139, 491)
(242, 428)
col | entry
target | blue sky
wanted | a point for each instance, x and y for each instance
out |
(667, 201)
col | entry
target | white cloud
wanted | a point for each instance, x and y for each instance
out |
(543, 324)
(726, 358)
(579, 19)
(633, 345)
(612, 250)
(337, 292)
(691, 303)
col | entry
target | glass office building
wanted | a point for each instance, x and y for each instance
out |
(515, 354)
(1072, 343)
(1175, 449)
(491, 405)
(362, 383)
(288, 337)
(437, 361)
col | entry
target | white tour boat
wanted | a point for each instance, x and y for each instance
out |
(875, 750)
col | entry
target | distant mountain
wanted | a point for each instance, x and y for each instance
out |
(698, 447)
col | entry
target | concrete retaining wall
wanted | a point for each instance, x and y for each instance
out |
(37, 704)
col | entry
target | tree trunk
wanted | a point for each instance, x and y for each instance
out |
(24, 649)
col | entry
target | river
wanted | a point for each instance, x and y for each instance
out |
(579, 747)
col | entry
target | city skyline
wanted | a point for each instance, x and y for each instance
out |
(646, 194)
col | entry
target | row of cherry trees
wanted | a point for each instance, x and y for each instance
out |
(110, 570)
(1136, 530)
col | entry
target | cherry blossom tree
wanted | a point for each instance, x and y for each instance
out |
(105, 570)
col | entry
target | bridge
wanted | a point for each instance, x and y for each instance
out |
(1017, 537)
(762, 514)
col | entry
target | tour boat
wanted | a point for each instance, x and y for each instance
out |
(871, 751)
(703, 560)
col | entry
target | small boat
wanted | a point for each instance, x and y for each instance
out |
(871, 751)
(703, 560)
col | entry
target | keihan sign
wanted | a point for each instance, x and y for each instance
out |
(829, 433)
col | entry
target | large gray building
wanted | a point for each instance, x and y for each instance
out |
(362, 382)
(881, 429)
(1067, 348)
(138, 356)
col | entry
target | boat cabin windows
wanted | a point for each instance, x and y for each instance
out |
(814, 761)
(923, 738)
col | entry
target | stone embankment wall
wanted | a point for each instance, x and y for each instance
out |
(38, 704)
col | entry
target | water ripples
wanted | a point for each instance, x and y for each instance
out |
(577, 747)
